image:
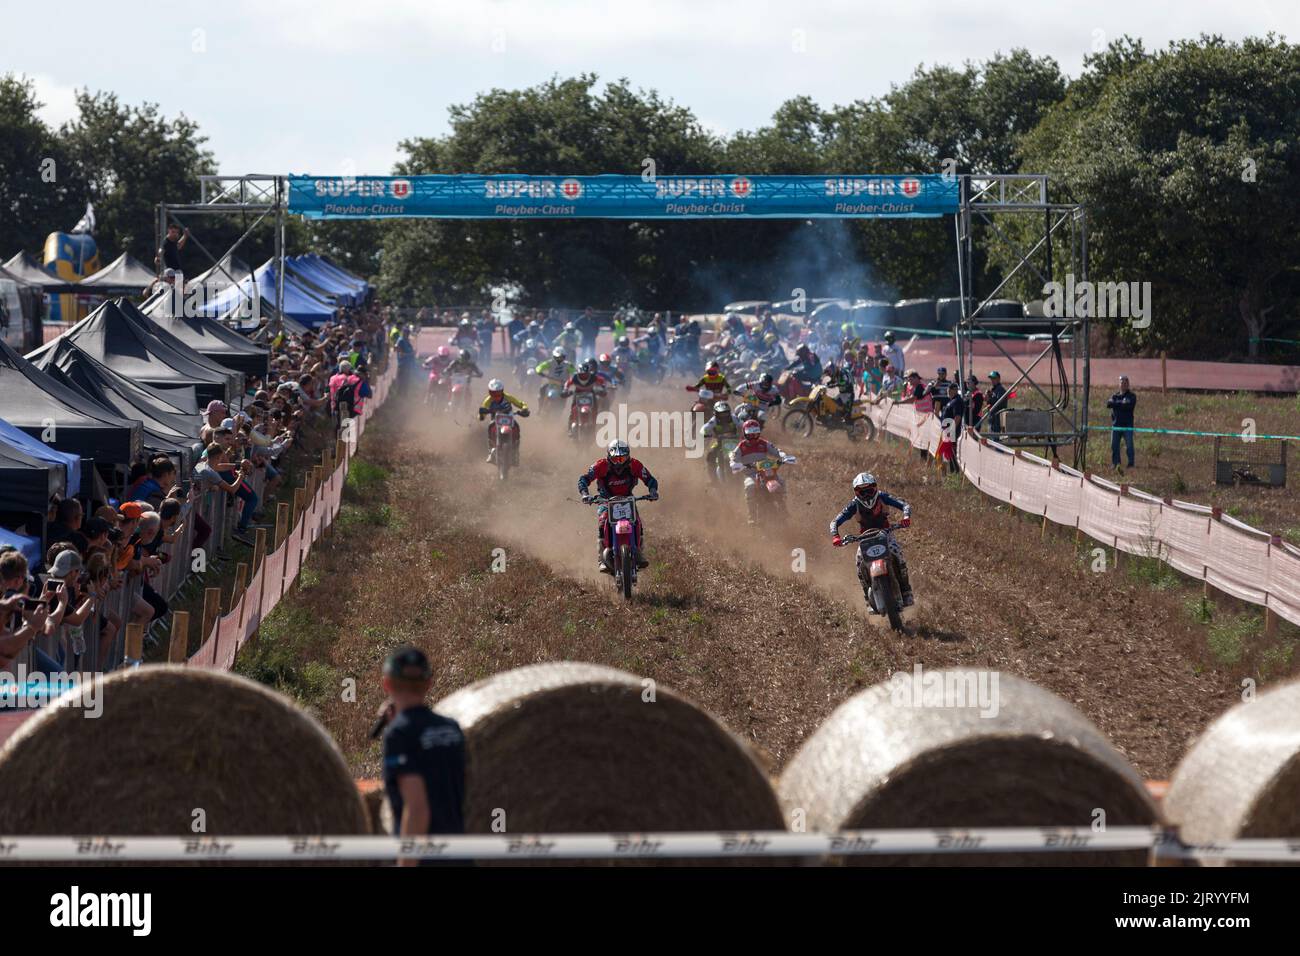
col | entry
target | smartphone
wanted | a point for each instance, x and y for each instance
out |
(32, 604)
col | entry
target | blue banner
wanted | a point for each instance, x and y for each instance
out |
(723, 196)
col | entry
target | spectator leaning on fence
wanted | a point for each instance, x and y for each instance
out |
(1121, 406)
(424, 753)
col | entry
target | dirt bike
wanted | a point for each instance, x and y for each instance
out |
(621, 557)
(703, 405)
(769, 491)
(505, 450)
(548, 394)
(882, 594)
(435, 390)
(650, 366)
(459, 397)
(818, 408)
(719, 467)
(582, 416)
(791, 387)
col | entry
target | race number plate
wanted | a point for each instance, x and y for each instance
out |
(621, 511)
(505, 420)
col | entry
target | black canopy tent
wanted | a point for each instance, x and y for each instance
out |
(209, 338)
(126, 345)
(27, 484)
(124, 274)
(29, 270)
(235, 379)
(51, 411)
(167, 430)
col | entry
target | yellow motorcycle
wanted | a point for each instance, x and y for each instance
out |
(819, 408)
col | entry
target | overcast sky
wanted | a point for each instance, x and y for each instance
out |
(331, 86)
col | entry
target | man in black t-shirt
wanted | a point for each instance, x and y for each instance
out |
(424, 753)
(170, 253)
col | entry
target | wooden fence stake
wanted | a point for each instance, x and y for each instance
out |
(135, 642)
(178, 642)
(211, 611)
(241, 581)
(281, 523)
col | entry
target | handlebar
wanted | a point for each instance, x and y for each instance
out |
(854, 538)
(598, 500)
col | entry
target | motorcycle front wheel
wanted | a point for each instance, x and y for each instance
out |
(628, 565)
(798, 422)
(881, 591)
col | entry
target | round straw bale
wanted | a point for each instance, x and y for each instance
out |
(170, 741)
(577, 748)
(899, 755)
(1241, 778)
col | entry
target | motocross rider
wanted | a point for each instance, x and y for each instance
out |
(869, 505)
(615, 475)
(570, 339)
(760, 393)
(753, 448)
(499, 402)
(464, 364)
(465, 337)
(772, 355)
(554, 371)
(839, 377)
(721, 426)
(713, 380)
(584, 380)
(806, 367)
(608, 371)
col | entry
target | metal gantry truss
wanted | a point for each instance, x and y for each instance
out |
(986, 201)
(265, 196)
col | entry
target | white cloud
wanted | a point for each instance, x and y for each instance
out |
(59, 99)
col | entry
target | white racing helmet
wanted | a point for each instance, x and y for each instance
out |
(865, 488)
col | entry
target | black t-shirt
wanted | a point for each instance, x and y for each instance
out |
(171, 254)
(420, 742)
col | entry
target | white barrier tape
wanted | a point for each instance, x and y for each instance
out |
(639, 846)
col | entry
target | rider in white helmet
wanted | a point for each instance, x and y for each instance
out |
(869, 504)
(499, 401)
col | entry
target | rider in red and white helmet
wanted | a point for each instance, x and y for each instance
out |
(752, 450)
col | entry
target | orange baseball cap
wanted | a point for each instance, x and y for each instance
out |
(130, 509)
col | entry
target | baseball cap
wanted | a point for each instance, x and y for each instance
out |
(941, 370)
(216, 405)
(65, 563)
(130, 509)
(408, 663)
(228, 423)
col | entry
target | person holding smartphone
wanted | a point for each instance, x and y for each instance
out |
(37, 615)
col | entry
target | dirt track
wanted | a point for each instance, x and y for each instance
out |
(722, 615)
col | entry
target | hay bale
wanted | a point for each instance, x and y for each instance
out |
(573, 748)
(1241, 778)
(171, 740)
(880, 762)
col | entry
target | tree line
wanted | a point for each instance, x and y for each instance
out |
(1186, 158)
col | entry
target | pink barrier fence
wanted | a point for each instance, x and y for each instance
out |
(280, 569)
(1198, 541)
